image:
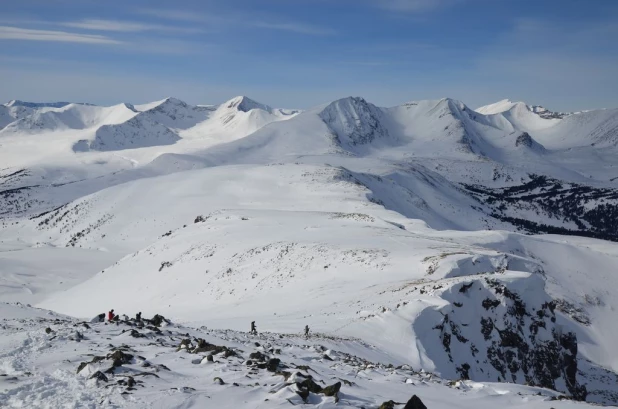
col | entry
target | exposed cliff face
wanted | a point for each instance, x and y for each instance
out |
(354, 121)
(491, 330)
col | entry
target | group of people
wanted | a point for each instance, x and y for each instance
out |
(113, 317)
(253, 330)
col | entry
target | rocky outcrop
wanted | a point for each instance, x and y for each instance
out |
(515, 338)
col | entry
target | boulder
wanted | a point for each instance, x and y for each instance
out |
(332, 390)
(415, 403)
(98, 375)
(309, 385)
(273, 364)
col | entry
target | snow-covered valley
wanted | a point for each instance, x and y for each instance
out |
(464, 256)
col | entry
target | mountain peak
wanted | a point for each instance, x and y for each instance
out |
(245, 104)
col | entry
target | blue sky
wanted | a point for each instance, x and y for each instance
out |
(298, 53)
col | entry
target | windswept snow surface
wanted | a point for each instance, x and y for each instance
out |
(402, 236)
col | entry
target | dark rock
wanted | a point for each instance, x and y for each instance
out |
(415, 403)
(119, 358)
(304, 394)
(387, 405)
(81, 366)
(328, 358)
(464, 288)
(210, 358)
(219, 381)
(99, 376)
(157, 320)
(332, 390)
(249, 362)
(130, 382)
(136, 334)
(258, 356)
(48, 330)
(309, 385)
(273, 364)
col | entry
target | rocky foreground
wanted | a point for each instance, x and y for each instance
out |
(53, 361)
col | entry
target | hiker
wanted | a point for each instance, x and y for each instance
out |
(253, 329)
(110, 315)
(138, 317)
(306, 331)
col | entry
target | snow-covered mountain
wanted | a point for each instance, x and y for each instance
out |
(476, 246)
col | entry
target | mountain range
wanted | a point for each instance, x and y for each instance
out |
(476, 245)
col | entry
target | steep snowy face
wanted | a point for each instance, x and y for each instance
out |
(137, 132)
(585, 129)
(11, 113)
(354, 121)
(497, 107)
(522, 116)
(245, 104)
(176, 114)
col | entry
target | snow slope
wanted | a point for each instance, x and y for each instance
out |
(401, 235)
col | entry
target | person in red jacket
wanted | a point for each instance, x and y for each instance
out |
(110, 315)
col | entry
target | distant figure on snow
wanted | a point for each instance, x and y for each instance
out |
(138, 317)
(306, 331)
(253, 329)
(110, 315)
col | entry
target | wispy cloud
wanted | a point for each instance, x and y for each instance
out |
(16, 33)
(125, 26)
(300, 28)
(413, 6)
(241, 21)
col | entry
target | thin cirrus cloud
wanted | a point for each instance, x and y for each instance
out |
(413, 6)
(125, 26)
(16, 33)
(244, 21)
(296, 28)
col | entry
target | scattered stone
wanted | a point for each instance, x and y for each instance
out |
(273, 364)
(98, 375)
(119, 358)
(332, 390)
(258, 356)
(48, 330)
(309, 385)
(388, 405)
(219, 381)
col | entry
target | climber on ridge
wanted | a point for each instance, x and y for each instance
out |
(110, 315)
(253, 329)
